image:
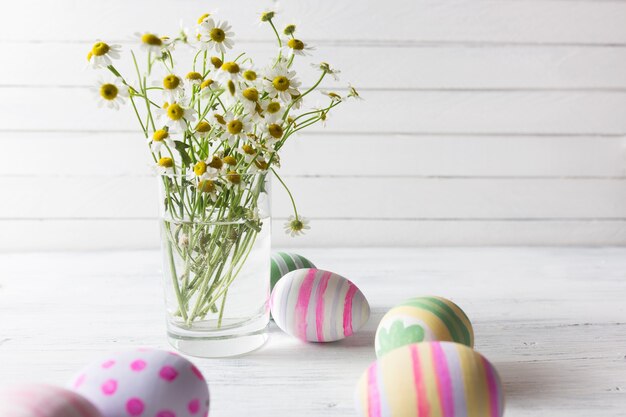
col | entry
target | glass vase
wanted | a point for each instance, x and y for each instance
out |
(215, 238)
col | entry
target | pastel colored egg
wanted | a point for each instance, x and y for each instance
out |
(430, 379)
(283, 262)
(146, 383)
(37, 400)
(423, 319)
(318, 306)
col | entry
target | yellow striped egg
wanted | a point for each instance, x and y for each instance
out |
(423, 319)
(430, 379)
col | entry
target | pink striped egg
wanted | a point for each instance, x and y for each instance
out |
(37, 400)
(443, 379)
(318, 306)
(144, 383)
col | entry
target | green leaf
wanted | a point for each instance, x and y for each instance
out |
(398, 336)
(180, 147)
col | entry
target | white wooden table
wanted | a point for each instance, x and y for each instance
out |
(552, 320)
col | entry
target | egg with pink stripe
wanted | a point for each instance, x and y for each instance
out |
(430, 379)
(144, 383)
(318, 306)
(36, 400)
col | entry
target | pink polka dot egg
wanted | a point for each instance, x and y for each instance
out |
(38, 400)
(144, 383)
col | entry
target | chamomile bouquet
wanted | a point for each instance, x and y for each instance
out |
(215, 125)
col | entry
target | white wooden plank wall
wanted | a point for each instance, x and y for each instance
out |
(484, 122)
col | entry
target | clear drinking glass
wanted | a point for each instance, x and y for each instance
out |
(215, 239)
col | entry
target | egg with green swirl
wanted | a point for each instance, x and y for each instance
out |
(423, 319)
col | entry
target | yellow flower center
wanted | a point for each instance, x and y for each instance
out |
(175, 112)
(217, 35)
(171, 82)
(267, 16)
(251, 94)
(235, 127)
(249, 150)
(199, 168)
(100, 48)
(159, 135)
(89, 55)
(261, 164)
(216, 163)
(203, 127)
(108, 91)
(166, 162)
(216, 62)
(281, 83)
(296, 225)
(275, 130)
(233, 177)
(231, 87)
(220, 119)
(249, 75)
(151, 39)
(204, 16)
(194, 76)
(231, 67)
(296, 44)
(206, 83)
(206, 186)
(229, 160)
(273, 107)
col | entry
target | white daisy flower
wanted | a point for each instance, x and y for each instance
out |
(193, 79)
(203, 129)
(111, 93)
(325, 66)
(101, 54)
(235, 181)
(293, 46)
(273, 133)
(295, 226)
(259, 165)
(249, 98)
(172, 87)
(215, 35)
(165, 166)
(150, 42)
(281, 82)
(176, 116)
(250, 76)
(229, 71)
(248, 152)
(323, 113)
(220, 120)
(208, 87)
(159, 138)
(236, 127)
(209, 187)
(272, 111)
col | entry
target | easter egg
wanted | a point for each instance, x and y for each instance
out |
(423, 319)
(144, 382)
(37, 400)
(318, 306)
(283, 262)
(430, 379)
